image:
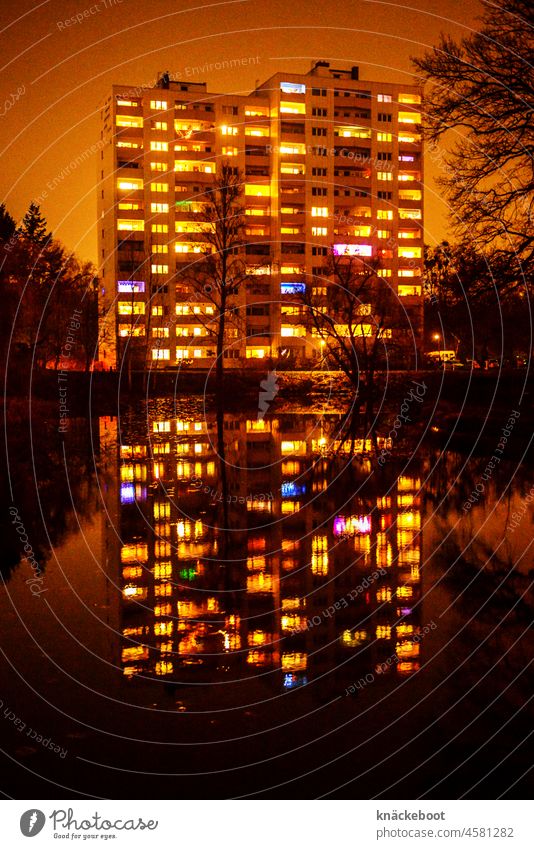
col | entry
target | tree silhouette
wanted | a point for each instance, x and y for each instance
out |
(482, 89)
(34, 227)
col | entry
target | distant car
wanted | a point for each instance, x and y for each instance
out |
(452, 365)
(493, 363)
(473, 364)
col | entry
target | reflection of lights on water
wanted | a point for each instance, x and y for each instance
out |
(130, 493)
(291, 681)
(127, 493)
(291, 490)
(352, 525)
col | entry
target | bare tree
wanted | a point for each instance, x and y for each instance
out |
(220, 273)
(482, 90)
(354, 321)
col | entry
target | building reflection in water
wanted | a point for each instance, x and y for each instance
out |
(316, 581)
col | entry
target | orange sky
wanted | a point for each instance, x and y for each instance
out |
(54, 75)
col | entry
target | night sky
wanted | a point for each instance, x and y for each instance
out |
(54, 76)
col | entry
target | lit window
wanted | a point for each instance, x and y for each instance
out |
(353, 132)
(384, 214)
(410, 213)
(291, 108)
(129, 185)
(260, 132)
(410, 194)
(193, 166)
(129, 308)
(293, 147)
(410, 253)
(319, 231)
(352, 250)
(160, 228)
(292, 330)
(158, 166)
(160, 332)
(156, 268)
(158, 104)
(410, 117)
(293, 88)
(192, 247)
(289, 168)
(128, 330)
(384, 98)
(159, 145)
(128, 121)
(159, 187)
(130, 286)
(157, 310)
(230, 151)
(319, 212)
(160, 249)
(257, 189)
(257, 110)
(385, 175)
(161, 354)
(409, 291)
(409, 98)
(131, 224)
(229, 131)
(159, 207)
(384, 137)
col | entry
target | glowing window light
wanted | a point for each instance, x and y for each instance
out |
(383, 632)
(130, 286)
(129, 185)
(292, 288)
(288, 107)
(132, 225)
(292, 88)
(353, 250)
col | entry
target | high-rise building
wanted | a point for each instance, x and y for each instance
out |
(330, 163)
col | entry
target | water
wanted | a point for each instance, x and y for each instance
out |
(252, 605)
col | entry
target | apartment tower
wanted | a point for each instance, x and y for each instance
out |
(330, 162)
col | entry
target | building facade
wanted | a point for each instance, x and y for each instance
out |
(330, 163)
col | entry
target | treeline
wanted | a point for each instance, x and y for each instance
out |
(470, 306)
(49, 315)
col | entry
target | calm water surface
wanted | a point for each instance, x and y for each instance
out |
(248, 605)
